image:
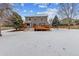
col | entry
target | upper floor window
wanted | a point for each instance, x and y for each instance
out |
(41, 19)
(35, 19)
(29, 19)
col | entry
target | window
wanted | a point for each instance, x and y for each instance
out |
(29, 19)
(28, 24)
(39, 23)
(34, 24)
(41, 19)
(35, 19)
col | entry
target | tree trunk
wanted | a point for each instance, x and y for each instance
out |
(0, 31)
(69, 27)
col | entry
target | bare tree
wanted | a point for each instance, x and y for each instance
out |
(68, 10)
(5, 12)
(0, 21)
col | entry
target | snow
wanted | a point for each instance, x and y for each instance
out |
(60, 42)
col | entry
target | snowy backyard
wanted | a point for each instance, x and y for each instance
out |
(60, 42)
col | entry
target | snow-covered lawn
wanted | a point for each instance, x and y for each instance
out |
(29, 43)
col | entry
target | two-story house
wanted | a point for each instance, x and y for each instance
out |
(36, 20)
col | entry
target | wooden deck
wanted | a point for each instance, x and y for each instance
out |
(41, 28)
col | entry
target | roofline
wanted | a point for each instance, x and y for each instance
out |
(38, 16)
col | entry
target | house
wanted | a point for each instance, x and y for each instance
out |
(36, 20)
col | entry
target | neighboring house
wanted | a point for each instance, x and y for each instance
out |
(36, 20)
(66, 21)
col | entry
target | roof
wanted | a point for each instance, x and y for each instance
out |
(38, 16)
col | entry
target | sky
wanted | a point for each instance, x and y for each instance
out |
(34, 9)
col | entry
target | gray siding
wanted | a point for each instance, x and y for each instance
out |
(37, 20)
